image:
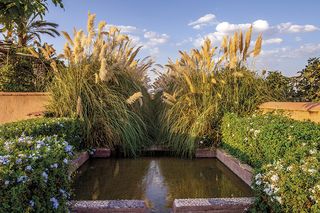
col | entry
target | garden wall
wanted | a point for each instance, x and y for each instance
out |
(296, 110)
(21, 106)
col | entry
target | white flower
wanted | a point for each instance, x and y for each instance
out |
(4, 160)
(55, 203)
(258, 182)
(45, 176)
(19, 161)
(256, 132)
(312, 171)
(65, 161)
(31, 202)
(313, 151)
(275, 178)
(22, 179)
(55, 165)
(289, 168)
(29, 168)
(258, 176)
(68, 148)
(278, 199)
(268, 191)
(6, 182)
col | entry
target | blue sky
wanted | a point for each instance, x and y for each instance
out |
(291, 29)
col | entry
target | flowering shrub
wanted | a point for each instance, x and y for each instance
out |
(34, 157)
(67, 128)
(34, 174)
(285, 156)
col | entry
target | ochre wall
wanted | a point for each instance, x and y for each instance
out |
(296, 110)
(21, 106)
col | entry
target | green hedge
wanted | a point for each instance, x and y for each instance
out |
(285, 155)
(34, 157)
(67, 128)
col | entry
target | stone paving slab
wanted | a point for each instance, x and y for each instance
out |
(212, 205)
(107, 206)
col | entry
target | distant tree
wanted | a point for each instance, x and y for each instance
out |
(308, 82)
(15, 15)
(281, 86)
(33, 28)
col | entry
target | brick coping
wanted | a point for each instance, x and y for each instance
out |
(291, 106)
(24, 94)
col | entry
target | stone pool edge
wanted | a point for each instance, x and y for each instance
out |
(241, 204)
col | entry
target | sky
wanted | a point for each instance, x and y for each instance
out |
(290, 29)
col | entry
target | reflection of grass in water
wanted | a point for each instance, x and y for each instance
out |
(112, 179)
(198, 179)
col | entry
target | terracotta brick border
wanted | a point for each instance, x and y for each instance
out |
(243, 171)
(221, 205)
(102, 153)
(205, 153)
(78, 161)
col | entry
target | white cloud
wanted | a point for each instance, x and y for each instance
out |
(228, 28)
(294, 28)
(154, 38)
(305, 50)
(272, 41)
(260, 25)
(215, 38)
(124, 28)
(208, 19)
(185, 41)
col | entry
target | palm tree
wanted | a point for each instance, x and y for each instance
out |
(30, 30)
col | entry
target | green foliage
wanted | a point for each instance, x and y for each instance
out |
(34, 156)
(20, 75)
(282, 151)
(308, 85)
(100, 76)
(281, 86)
(66, 128)
(198, 90)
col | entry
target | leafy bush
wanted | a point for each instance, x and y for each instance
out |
(34, 174)
(285, 155)
(23, 74)
(65, 128)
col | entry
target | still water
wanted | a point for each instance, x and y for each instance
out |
(158, 180)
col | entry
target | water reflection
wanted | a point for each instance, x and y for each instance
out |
(157, 180)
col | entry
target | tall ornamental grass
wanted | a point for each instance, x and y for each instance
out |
(204, 84)
(102, 84)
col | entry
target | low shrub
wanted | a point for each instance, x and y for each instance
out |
(34, 174)
(34, 156)
(68, 129)
(285, 155)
